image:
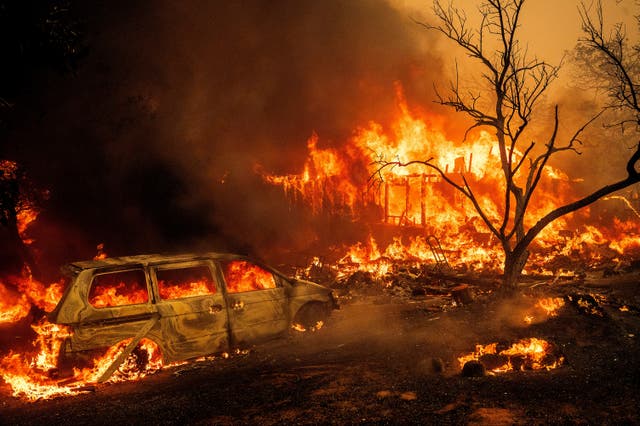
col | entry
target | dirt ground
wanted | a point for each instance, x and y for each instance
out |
(378, 360)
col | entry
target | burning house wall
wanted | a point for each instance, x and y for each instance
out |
(348, 181)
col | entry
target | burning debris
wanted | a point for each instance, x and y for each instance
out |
(546, 307)
(587, 304)
(526, 354)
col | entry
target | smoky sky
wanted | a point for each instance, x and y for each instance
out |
(175, 98)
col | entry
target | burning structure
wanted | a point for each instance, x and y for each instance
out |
(403, 206)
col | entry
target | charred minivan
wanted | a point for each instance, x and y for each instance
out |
(189, 305)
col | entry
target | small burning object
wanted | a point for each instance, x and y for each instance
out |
(546, 307)
(550, 305)
(587, 304)
(526, 354)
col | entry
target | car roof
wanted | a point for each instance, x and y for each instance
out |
(147, 259)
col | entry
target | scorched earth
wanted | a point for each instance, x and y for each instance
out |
(396, 355)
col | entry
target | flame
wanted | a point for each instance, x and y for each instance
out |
(25, 217)
(184, 289)
(28, 375)
(531, 353)
(19, 293)
(23, 205)
(547, 306)
(32, 376)
(44, 297)
(13, 306)
(118, 295)
(335, 180)
(550, 305)
(101, 254)
(301, 328)
(244, 276)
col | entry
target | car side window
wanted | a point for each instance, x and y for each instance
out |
(191, 281)
(241, 276)
(118, 288)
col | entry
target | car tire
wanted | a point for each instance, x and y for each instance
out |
(312, 316)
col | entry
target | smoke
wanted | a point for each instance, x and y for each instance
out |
(152, 144)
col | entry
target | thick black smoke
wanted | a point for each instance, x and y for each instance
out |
(175, 98)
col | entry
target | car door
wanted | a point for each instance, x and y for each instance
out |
(193, 316)
(256, 300)
(106, 307)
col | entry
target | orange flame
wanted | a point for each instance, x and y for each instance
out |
(244, 276)
(336, 180)
(25, 217)
(186, 289)
(32, 376)
(551, 305)
(19, 294)
(532, 353)
(13, 306)
(101, 254)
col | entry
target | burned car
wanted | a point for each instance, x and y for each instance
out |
(189, 305)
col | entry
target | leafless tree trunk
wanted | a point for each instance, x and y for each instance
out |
(516, 83)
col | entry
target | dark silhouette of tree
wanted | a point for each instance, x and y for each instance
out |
(35, 36)
(515, 83)
(19, 198)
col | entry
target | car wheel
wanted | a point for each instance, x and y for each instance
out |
(143, 360)
(311, 317)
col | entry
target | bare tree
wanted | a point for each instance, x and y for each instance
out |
(516, 83)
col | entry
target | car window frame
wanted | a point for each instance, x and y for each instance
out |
(98, 272)
(183, 265)
(277, 277)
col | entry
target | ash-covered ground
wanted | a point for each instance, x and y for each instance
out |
(390, 356)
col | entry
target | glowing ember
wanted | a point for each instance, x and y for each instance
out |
(527, 354)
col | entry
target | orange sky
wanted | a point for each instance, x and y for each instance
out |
(550, 27)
